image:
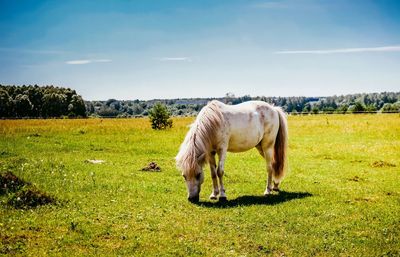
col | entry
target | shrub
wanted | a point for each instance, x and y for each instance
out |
(358, 107)
(159, 117)
(388, 107)
(315, 110)
(342, 109)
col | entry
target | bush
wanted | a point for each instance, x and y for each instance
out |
(315, 110)
(358, 107)
(159, 117)
(388, 107)
(342, 109)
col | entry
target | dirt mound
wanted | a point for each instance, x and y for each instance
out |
(10, 183)
(381, 164)
(29, 197)
(22, 194)
(152, 166)
(356, 179)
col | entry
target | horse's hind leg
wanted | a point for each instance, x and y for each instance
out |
(213, 169)
(268, 159)
(266, 153)
(276, 186)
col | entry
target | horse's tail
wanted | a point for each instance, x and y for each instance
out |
(279, 161)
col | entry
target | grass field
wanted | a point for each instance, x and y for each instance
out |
(340, 198)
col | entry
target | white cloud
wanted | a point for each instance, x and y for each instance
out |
(395, 48)
(78, 62)
(175, 59)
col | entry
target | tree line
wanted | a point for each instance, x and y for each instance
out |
(40, 102)
(50, 101)
(352, 103)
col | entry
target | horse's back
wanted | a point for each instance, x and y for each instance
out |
(250, 113)
(248, 123)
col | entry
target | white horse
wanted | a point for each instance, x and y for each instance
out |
(219, 128)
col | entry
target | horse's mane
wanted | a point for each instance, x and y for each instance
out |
(198, 142)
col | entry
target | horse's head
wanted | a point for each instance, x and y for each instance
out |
(193, 180)
(191, 159)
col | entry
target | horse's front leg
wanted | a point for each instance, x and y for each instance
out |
(213, 169)
(220, 172)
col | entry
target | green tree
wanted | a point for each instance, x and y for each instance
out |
(137, 109)
(6, 104)
(370, 108)
(387, 107)
(35, 96)
(358, 107)
(76, 107)
(342, 109)
(159, 117)
(54, 105)
(315, 110)
(106, 111)
(23, 106)
(329, 110)
(306, 108)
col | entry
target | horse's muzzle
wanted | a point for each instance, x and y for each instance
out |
(194, 199)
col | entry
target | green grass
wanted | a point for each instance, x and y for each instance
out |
(340, 198)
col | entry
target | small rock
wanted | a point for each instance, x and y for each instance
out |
(95, 161)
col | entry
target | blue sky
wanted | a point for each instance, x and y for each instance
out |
(169, 49)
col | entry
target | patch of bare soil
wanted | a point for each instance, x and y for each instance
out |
(152, 166)
(356, 179)
(30, 197)
(382, 164)
(10, 183)
(22, 194)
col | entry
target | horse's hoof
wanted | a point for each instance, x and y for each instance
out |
(194, 199)
(276, 189)
(223, 199)
(267, 192)
(213, 197)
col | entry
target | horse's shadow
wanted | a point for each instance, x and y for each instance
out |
(248, 200)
